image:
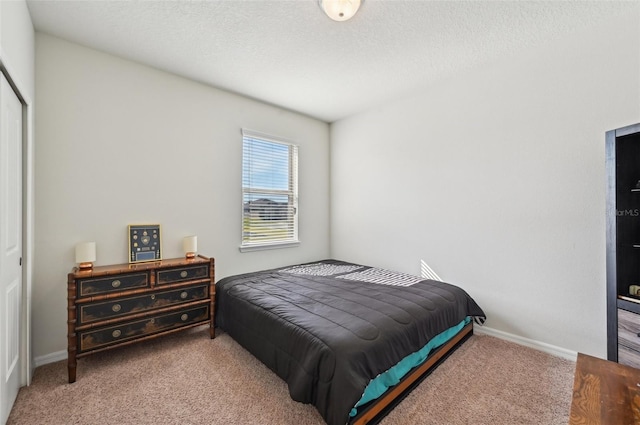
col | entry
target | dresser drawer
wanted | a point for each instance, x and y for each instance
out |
(103, 337)
(181, 274)
(628, 357)
(93, 312)
(105, 285)
(628, 329)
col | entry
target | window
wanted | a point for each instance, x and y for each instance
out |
(269, 192)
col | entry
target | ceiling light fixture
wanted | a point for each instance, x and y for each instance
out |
(340, 10)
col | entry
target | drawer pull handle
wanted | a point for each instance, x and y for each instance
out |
(116, 308)
(115, 283)
(116, 333)
(184, 295)
(153, 296)
(183, 273)
(184, 317)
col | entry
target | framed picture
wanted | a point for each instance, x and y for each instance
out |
(144, 243)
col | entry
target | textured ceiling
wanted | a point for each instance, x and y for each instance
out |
(288, 53)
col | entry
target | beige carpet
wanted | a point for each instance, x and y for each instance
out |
(188, 378)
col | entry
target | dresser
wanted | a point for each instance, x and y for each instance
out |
(622, 161)
(117, 305)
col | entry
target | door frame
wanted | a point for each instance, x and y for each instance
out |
(26, 349)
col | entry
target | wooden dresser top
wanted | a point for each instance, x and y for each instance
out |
(133, 267)
(604, 392)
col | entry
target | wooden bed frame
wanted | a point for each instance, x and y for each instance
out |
(373, 412)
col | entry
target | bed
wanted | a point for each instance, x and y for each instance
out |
(348, 338)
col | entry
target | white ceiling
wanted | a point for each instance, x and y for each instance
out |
(290, 54)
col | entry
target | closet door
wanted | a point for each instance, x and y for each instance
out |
(10, 246)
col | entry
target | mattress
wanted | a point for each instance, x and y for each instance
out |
(330, 327)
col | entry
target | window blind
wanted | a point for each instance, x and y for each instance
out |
(269, 191)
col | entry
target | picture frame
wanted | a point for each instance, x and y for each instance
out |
(145, 243)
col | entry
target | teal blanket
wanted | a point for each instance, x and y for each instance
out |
(378, 385)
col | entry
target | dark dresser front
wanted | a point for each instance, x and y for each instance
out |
(112, 306)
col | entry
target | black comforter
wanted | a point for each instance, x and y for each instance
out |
(327, 328)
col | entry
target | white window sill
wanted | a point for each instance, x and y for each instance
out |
(276, 245)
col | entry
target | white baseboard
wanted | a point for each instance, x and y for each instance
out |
(50, 358)
(481, 330)
(547, 348)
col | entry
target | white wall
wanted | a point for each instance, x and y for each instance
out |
(496, 179)
(120, 143)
